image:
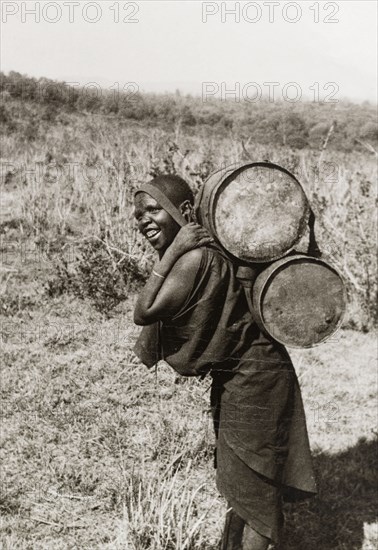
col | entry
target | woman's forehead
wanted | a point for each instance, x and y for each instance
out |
(143, 199)
(143, 202)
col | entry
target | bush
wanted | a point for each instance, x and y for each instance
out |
(99, 272)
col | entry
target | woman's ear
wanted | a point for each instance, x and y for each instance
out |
(187, 210)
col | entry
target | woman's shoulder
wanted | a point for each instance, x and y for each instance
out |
(189, 263)
(192, 257)
(209, 253)
(202, 258)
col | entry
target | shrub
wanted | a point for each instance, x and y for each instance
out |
(99, 272)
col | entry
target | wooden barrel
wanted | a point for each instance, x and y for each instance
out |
(299, 300)
(257, 211)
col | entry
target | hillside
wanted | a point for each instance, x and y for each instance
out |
(345, 126)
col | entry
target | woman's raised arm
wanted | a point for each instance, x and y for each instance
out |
(172, 277)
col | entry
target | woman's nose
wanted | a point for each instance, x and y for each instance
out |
(144, 220)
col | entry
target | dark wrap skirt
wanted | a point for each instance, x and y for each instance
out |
(262, 452)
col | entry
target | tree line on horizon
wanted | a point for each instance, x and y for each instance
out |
(343, 126)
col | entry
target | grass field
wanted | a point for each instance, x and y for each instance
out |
(99, 452)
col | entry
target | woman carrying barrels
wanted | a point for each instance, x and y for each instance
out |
(196, 317)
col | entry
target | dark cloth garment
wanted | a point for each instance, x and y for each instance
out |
(262, 449)
(262, 453)
(147, 347)
(212, 330)
(232, 537)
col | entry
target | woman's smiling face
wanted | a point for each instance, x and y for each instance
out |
(154, 222)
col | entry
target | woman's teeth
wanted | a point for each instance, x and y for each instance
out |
(152, 233)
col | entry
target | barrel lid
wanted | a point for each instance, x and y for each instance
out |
(300, 300)
(259, 212)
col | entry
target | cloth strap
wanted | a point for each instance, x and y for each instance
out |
(313, 248)
(164, 201)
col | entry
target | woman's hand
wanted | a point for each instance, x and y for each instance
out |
(191, 236)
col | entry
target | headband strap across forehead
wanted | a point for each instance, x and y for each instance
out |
(164, 201)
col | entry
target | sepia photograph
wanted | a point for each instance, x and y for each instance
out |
(188, 275)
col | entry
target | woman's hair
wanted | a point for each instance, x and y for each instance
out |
(174, 188)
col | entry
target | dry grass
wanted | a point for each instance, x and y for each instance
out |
(76, 183)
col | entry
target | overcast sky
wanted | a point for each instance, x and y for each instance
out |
(184, 44)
